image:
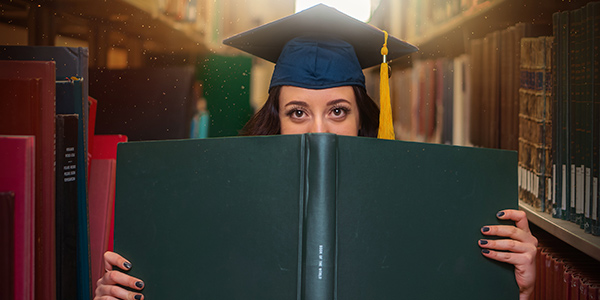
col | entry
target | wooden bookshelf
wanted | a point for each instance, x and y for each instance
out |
(133, 24)
(139, 20)
(452, 37)
(567, 231)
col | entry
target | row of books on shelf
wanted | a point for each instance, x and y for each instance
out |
(469, 100)
(563, 273)
(58, 177)
(179, 10)
(421, 16)
(561, 165)
(531, 88)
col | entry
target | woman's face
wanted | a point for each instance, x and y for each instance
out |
(332, 110)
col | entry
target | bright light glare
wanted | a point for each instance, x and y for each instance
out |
(359, 9)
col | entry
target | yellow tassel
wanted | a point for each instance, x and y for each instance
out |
(386, 123)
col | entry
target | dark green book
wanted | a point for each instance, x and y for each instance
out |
(557, 112)
(595, 84)
(70, 99)
(66, 205)
(594, 212)
(564, 82)
(314, 216)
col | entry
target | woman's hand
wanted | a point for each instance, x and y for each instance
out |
(109, 286)
(520, 244)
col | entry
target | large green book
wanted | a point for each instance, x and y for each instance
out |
(314, 216)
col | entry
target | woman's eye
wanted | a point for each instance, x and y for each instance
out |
(298, 113)
(339, 112)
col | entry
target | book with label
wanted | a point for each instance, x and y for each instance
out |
(70, 99)
(66, 204)
(313, 216)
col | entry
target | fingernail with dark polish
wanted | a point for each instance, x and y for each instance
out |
(127, 265)
(483, 242)
(500, 214)
(485, 251)
(139, 284)
(137, 297)
(485, 229)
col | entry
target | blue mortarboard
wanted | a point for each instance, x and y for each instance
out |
(318, 48)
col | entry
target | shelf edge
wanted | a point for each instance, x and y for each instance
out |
(567, 231)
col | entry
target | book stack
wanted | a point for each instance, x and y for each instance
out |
(44, 137)
(576, 104)
(430, 101)
(563, 273)
(419, 17)
(495, 68)
(535, 115)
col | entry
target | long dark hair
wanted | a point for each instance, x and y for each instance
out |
(266, 120)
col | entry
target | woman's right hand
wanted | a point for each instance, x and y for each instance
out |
(110, 285)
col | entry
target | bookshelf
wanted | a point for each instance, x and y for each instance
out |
(452, 37)
(143, 28)
(567, 231)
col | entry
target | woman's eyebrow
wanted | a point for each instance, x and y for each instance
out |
(334, 102)
(296, 102)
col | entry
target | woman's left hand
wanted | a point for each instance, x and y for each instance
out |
(520, 244)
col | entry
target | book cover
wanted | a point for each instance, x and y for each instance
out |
(70, 61)
(311, 216)
(101, 200)
(105, 148)
(18, 175)
(27, 90)
(67, 184)
(93, 109)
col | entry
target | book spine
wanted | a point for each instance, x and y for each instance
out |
(556, 122)
(319, 255)
(589, 118)
(595, 216)
(566, 118)
(66, 205)
(573, 106)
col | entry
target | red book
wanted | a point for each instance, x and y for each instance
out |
(93, 107)
(543, 273)
(101, 203)
(28, 108)
(538, 273)
(17, 175)
(105, 147)
(559, 269)
(594, 291)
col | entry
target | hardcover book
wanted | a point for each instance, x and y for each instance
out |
(18, 175)
(314, 216)
(67, 185)
(27, 90)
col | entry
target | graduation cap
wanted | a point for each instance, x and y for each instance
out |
(320, 48)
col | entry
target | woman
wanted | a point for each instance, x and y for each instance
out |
(318, 86)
